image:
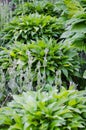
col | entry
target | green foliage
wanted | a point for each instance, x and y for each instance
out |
(73, 7)
(28, 62)
(76, 34)
(41, 7)
(52, 57)
(45, 111)
(83, 3)
(76, 31)
(40, 63)
(64, 7)
(32, 27)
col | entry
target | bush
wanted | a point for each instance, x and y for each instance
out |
(76, 31)
(45, 111)
(41, 7)
(53, 8)
(76, 34)
(38, 64)
(44, 55)
(32, 27)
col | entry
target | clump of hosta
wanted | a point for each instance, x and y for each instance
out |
(41, 7)
(43, 61)
(30, 28)
(45, 111)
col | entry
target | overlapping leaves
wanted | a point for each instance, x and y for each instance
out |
(32, 27)
(50, 55)
(76, 31)
(41, 110)
(41, 7)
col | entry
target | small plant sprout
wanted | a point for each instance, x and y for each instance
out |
(58, 81)
(29, 70)
(2, 85)
(39, 77)
(12, 78)
(45, 65)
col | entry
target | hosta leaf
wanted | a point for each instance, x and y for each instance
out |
(74, 109)
(72, 102)
(16, 127)
(84, 75)
(5, 120)
(65, 72)
(57, 123)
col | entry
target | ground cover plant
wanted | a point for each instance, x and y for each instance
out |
(42, 49)
(45, 111)
(30, 28)
(41, 7)
(52, 8)
(75, 33)
(39, 63)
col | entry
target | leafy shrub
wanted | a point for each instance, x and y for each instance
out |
(42, 7)
(73, 7)
(45, 111)
(76, 34)
(76, 31)
(32, 27)
(40, 63)
(61, 7)
(50, 56)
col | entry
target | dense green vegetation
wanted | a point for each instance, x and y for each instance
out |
(30, 28)
(40, 62)
(42, 110)
(42, 49)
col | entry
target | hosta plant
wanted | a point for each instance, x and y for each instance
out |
(29, 66)
(30, 28)
(76, 34)
(76, 31)
(42, 7)
(45, 57)
(73, 7)
(52, 8)
(51, 110)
